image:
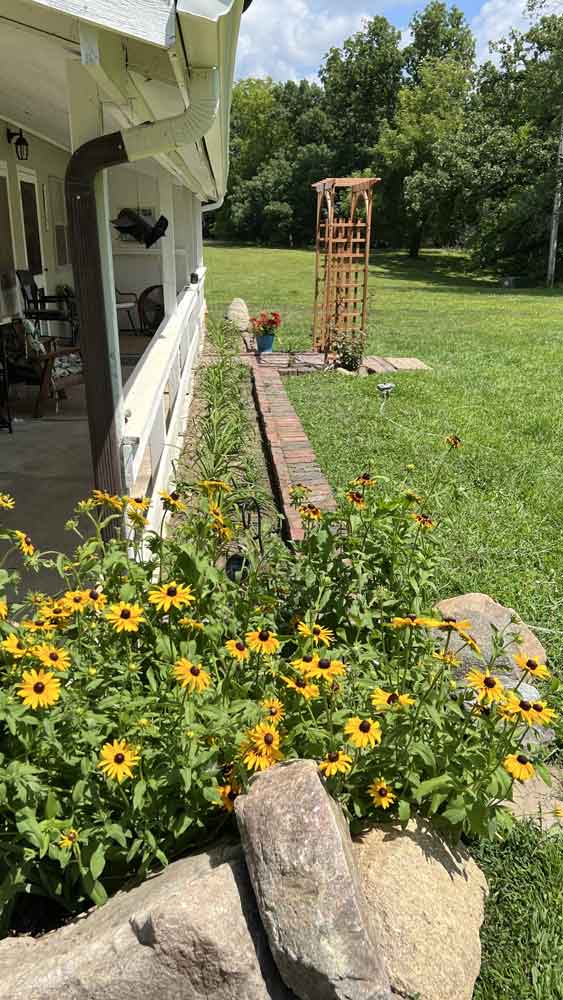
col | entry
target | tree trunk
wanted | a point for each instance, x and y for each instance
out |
(556, 212)
(415, 241)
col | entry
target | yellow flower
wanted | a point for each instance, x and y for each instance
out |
(532, 665)
(69, 838)
(125, 617)
(237, 648)
(318, 633)
(366, 481)
(262, 641)
(14, 646)
(355, 498)
(78, 600)
(304, 663)
(39, 689)
(424, 521)
(541, 714)
(488, 687)
(274, 710)
(448, 658)
(414, 621)
(363, 732)
(138, 505)
(191, 676)
(301, 687)
(172, 502)
(118, 760)
(558, 810)
(51, 657)
(38, 625)
(453, 441)
(7, 502)
(519, 766)
(382, 700)
(261, 747)
(171, 595)
(335, 762)
(453, 625)
(102, 497)
(221, 529)
(3, 609)
(95, 598)
(381, 793)
(192, 623)
(310, 512)
(25, 543)
(323, 667)
(228, 794)
(214, 485)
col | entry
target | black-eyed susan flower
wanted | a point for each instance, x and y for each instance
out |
(262, 641)
(191, 675)
(318, 633)
(238, 649)
(542, 714)
(192, 623)
(325, 668)
(365, 481)
(125, 617)
(450, 659)
(381, 793)
(78, 600)
(68, 838)
(3, 609)
(137, 519)
(301, 687)
(453, 441)
(355, 498)
(488, 687)
(14, 646)
(413, 621)
(274, 709)
(39, 688)
(519, 766)
(423, 521)
(96, 599)
(110, 499)
(309, 512)
(335, 762)
(261, 747)
(215, 486)
(7, 502)
(56, 612)
(24, 543)
(363, 732)
(385, 701)
(117, 760)
(38, 625)
(449, 624)
(139, 505)
(221, 529)
(305, 662)
(171, 595)
(532, 665)
(172, 501)
(228, 794)
(52, 656)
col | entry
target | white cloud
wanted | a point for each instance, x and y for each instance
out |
(286, 39)
(495, 20)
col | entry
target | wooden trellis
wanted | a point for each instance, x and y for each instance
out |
(341, 268)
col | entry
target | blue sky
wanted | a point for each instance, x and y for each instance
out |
(286, 39)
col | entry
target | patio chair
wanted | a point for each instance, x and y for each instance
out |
(37, 303)
(56, 369)
(127, 302)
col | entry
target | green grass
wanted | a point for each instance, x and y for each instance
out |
(497, 382)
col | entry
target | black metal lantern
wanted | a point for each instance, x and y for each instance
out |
(21, 143)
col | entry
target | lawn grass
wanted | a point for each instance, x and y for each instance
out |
(496, 381)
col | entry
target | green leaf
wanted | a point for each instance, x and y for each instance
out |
(404, 811)
(98, 861)
(52, 806)
(455, 815)
(424, 752)
(94, 889)
(139, 793)
(544, 773)
(114, 831)
(431, 785)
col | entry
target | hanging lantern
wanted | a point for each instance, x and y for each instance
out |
(21, 144)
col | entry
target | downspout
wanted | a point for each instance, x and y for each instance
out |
(85, 164)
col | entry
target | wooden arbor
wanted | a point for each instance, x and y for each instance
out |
(341, 267)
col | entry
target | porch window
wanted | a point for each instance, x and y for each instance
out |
(58, 216)
(7, 273)
(31, 226)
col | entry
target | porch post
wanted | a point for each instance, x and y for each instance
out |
(99, 340)
(168, 243)
(198, 231)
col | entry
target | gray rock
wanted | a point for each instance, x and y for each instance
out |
(535, 801)
(299, 856)
(190, 932)
(237, 313)
(430, 901)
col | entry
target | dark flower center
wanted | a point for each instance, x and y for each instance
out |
(392, 698)
(125, 613)
(522, 759)
(77, 600)
(411, 618)
(174, 496)
(525, 706)
(324, 664)
(316, 630)
(531, 665)
(138, 499)
(54, 656)
(307, 658)
(537, 706)
(27, 540)
(71, 836)
(240, 646)
(365, 726)
(119, 758)
(333, 756)
(93, 595)
(39, 623)
(450, 621)
(20, 645)
(382, 792)
(272, 710)
(232, 795)
(39, 687)
(490, 682)
(172, 591)
(365, 475)
(300, 682)
(263, 635)
(268, 739)
(195, 671)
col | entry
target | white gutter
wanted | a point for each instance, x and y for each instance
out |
(168, 134)
(213, 206)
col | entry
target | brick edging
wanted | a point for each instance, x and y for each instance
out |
(291, 458)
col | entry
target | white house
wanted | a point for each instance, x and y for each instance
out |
(122, 104)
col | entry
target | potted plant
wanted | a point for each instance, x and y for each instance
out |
(264, 329)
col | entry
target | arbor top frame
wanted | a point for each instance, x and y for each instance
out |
(357, 184)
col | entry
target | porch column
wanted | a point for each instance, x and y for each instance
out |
(167, 243)
(198, 232)
(102, 361)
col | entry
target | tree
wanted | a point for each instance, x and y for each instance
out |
(438, 32)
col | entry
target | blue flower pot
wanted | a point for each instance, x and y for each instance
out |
(264, 343)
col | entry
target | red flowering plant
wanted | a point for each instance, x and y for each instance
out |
(265, 323)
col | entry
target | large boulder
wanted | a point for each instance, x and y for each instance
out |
(300, 859)
(430, 902)
(485, 616)
(188, 933)
(535, 801)
(237, 314)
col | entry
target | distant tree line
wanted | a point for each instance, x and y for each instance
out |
(467, 154)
